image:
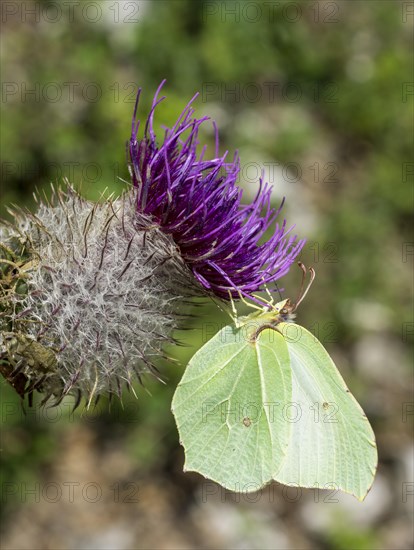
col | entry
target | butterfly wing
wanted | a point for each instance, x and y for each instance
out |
(228, 408)
(332, 443)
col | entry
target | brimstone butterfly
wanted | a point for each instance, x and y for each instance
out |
(262, 400)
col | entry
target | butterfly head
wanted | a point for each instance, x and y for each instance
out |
(285, 311)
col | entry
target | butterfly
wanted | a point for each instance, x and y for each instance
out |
(262, 400)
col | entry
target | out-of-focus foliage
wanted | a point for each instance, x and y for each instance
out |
(316, 92)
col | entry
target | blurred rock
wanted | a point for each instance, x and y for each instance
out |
(379, 356)
(322, 511)
(367, 315)
(242, 525)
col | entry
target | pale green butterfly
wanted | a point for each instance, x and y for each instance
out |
(263, 400)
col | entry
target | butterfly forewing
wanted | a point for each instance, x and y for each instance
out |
(332, 444)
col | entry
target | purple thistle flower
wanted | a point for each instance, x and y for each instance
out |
(198, 203)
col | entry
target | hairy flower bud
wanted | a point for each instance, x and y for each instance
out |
(104, 289)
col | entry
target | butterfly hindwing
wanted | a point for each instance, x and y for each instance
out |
(228, 408)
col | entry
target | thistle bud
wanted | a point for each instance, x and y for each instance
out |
(91, 292)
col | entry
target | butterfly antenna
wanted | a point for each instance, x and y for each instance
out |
(304, 273)
(303, 293)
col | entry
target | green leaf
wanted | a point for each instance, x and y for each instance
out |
(228, 408)
(332, 443)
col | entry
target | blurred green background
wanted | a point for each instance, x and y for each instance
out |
(319, 94)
